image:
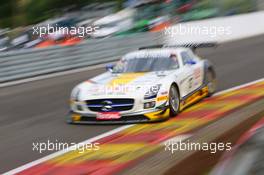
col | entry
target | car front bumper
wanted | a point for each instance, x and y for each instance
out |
(153, 116)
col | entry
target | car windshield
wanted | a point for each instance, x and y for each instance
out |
(146, 65)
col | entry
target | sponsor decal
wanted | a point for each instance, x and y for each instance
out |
(162, 98)
(125, 78)
(164, 93)
(197, 73)
(108, 115)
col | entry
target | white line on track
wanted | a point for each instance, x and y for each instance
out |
(48, 157)
(238, 87)
(58, 153)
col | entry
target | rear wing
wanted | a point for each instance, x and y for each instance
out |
(192, 46)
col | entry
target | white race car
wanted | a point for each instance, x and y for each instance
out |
(151, 84)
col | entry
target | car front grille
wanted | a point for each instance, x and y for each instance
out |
(110, 105)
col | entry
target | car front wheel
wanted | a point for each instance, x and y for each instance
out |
(174, 101)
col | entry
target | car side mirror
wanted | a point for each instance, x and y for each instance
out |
(109, 67)
(191, 62)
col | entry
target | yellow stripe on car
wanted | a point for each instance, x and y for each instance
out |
(194, 98)
(158, 115)
(125, 78)
(76, 117)
(162, 98)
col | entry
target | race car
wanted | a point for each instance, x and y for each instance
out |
(151, 84)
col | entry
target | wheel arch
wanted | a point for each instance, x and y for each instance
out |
(177, 87)
(208, 67)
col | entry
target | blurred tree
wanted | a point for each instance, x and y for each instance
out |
(5, 8)
(14, 13)
(6, 13)
(43, 9)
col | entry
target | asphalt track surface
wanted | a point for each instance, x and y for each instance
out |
(36, 111)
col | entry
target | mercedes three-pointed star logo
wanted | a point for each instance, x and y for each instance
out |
(106, 105)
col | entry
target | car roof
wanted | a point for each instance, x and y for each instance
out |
(160, 52)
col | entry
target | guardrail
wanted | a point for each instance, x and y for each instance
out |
(21, 64)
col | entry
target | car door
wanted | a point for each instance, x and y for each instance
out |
(192, 72)
(197, 69)
(186, 77)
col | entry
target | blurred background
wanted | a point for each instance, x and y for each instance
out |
(113, 17)
(123, 26)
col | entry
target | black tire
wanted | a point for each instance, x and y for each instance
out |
(211, 82)
(174, 101)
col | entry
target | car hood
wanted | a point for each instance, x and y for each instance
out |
(120, 85)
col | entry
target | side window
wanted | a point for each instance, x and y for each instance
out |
(186, 57)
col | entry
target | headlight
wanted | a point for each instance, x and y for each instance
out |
(152, 92)
(75, 103)
(75, 94)
(148, 105)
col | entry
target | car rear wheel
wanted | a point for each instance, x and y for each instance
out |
(174, 101)
(211, 83)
